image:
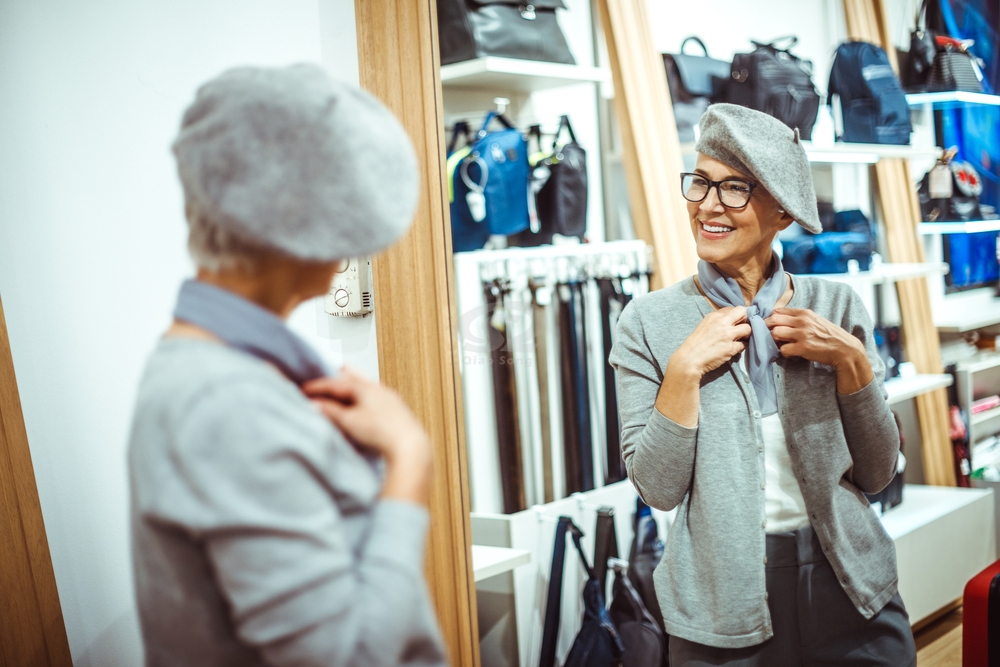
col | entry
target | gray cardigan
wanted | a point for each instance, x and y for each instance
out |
(258, 535)
(710, 583)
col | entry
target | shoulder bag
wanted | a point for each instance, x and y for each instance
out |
(469, 29)
(692, 80)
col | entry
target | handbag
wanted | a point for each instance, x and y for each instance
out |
(470, 29)
(644, 555)
(490, 183)
(598, 644)
(692, 80)
(644, 639)
(772, 80)
(559, 184)
(915, 65)
(955, 67)
(950, 191)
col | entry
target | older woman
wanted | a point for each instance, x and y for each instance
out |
(278, 513)
(753, 402)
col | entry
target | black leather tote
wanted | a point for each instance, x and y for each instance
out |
(469, 29)
(692, 80)
(915, 66)
(772, 80)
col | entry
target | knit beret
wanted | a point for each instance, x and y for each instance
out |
(761, 146)
(289, 159)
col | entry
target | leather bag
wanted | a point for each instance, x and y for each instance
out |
(469, 29)
(560, 185)
(955, 67)
(644, 639)
(644, 556)
(692, 80)
(962, 206)
(915, 66)
(871, 98)
(598, 644)
(772, 80)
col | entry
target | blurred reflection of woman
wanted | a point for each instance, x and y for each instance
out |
(754, 403)
(266, 531)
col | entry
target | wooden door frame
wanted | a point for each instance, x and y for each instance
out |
(398, 62)
(31, 622)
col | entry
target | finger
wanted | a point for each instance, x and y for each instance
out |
(734, 314)
(742, 331)
(780, 319)
(332, 410)
(791, 350)
(341, 388)
(792, 312)
(785, 333)
(354, 374)
(737, 347)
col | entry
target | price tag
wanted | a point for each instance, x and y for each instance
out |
(477, 205)
(940, 182)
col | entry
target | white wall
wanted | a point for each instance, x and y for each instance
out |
(92, 246)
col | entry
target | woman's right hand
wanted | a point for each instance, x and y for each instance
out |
(717, 339)
(376, 418)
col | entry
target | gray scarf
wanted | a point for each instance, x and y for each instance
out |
(761, 349)
(248, 327)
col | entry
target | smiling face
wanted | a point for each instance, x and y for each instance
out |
(734, 239)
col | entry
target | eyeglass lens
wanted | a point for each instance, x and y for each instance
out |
(734, 194)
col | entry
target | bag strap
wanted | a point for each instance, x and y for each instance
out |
(490, 117)
(605, 544)
(550, 628)
(773, 43)
(921, 13)
(696, 40)
(563, 125)
(461, 129)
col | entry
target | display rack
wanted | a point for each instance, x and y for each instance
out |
(510, 74)
(902, 389)
(887, 273)
(851, 153)
(971, 227)
(490, 561)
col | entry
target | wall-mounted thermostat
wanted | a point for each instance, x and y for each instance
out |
(351, 292)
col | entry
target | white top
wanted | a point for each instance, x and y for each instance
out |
(784, 506)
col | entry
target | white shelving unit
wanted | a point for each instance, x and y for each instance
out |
(966, 316)
(971, 227)
(934, 526)
(887, 273)
(490, 561)
(950, 98)
(903, 389)
(850, 153)
(510, 74)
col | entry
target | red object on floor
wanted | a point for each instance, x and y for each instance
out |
(981, 619)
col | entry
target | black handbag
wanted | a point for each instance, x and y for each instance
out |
(560, 183)
(915, 66)
(470, 29)
(962, 205)
(644, 556)
(772, 80)
(644, 639)
(955, 67)
(692, 82)
(598, 644)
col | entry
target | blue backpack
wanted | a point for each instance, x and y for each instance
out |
(488, 184)
(871, 98)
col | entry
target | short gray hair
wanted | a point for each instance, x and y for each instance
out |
(215, 247)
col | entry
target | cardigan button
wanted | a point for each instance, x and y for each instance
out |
(762, 485)
(756, 414)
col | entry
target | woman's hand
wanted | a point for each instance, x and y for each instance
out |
(717, 338)
(800, 332)
(376, 418)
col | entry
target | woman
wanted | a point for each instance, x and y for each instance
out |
(266, 531)
(753, 402)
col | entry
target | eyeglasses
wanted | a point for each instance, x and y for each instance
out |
(733, 192)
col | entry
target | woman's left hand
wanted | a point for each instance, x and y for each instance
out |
(800, 332)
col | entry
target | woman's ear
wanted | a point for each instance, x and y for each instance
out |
(785, 219)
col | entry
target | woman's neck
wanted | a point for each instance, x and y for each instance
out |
(266, 289)
(750, 276)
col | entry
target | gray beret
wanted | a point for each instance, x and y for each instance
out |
(290, 159)
(761, 146)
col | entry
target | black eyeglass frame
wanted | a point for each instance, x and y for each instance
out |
(718, 190)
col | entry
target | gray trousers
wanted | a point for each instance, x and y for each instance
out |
(814, 621)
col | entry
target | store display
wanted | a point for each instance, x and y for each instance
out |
(598, 643)
(692, 80)
(470, 29)
(644, 556)
(916, 64)
(559, 187)
(892, 494)
(955, 67)
(851, 240)
(872, 100)
(950, 191)
(772, 80)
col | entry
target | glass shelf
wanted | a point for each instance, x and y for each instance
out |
(951, 99)
(506, 74)
(971, 227)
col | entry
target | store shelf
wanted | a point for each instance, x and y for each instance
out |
(902, 389)
(887, 273)
(983, 417)
(865, 153)
(510, 74)
(972, 227)
(982, 361)
(969, 319)
(490, 561)
(951, 98)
